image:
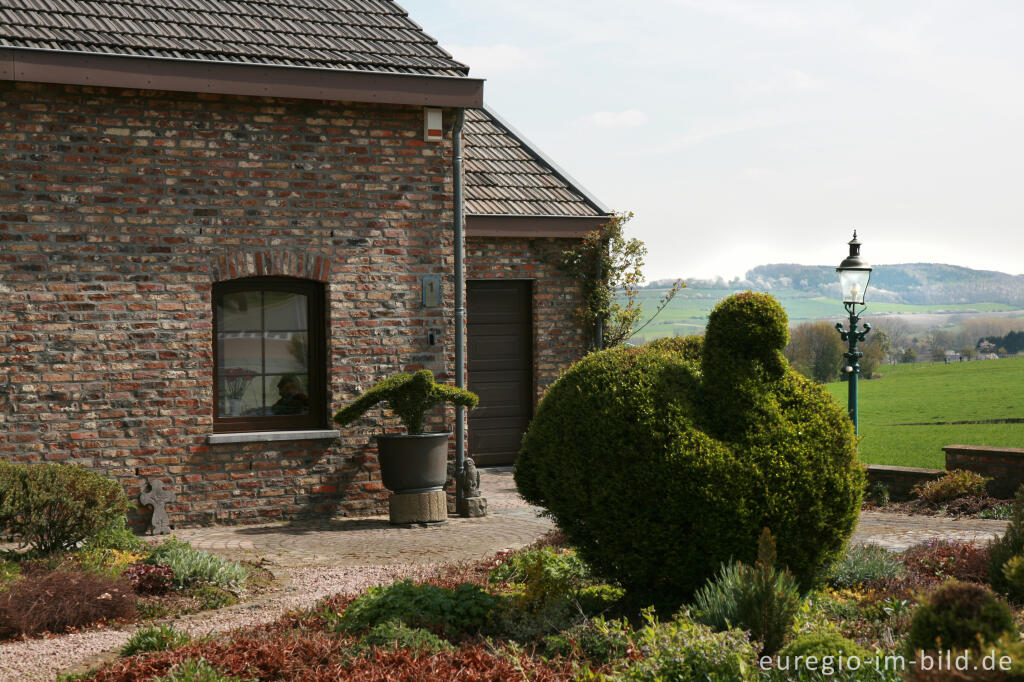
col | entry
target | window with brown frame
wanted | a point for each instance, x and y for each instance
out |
(269, 355)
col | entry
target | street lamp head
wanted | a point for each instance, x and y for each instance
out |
(854, 273)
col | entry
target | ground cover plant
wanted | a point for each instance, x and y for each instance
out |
(872, 617)
(908, 415)
(711, 441)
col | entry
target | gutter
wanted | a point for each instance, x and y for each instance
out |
(235, 78)
(460, 309)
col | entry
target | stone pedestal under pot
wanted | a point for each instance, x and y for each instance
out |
(414, 468)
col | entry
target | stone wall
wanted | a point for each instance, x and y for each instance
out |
(118, 211)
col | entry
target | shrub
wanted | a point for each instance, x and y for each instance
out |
(467, 608)
(945, 559)
(863, 564)
(116, 535)
(683, 650)
(106, 562)
(1011, 544)
(53, 507)
(1013, 572)
(394, 634)
(155, 638)
(192, 566)
(879, 493)
(823, 643)
(196, 670)
(952, 485)
(150, 579)
(213, 597)
(596, 599)
(664, 461)
(57, 600)
(756, 598)
(9, 572)
(959, 615)
(598, 640)
(546, 574)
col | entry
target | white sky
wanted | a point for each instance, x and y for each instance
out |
(742, 133)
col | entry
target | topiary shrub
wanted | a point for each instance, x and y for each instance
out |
(959, 616)
(53, 507)
(823, 643)
(664, 461)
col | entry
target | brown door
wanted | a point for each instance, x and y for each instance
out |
(500, 363)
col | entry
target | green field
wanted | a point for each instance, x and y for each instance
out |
(925, 392)
(688, 312)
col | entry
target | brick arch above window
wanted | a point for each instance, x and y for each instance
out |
(271, 263)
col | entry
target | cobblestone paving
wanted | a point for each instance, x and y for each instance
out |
(511, 523)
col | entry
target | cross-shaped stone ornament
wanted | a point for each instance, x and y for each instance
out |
(158, 497)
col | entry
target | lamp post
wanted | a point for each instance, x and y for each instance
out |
(854, 273)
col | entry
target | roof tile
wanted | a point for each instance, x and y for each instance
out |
(363, 35)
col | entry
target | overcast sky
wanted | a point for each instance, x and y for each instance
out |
(742, 133)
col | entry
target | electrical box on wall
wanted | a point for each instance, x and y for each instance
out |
(432, 130)
(431, 291)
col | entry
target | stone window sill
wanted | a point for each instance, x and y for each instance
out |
(269, 436)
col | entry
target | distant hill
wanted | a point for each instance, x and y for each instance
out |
(914, 283)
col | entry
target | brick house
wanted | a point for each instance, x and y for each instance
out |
(219, 222)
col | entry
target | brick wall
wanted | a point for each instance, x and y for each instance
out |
(1005, 466)
(120, 208)
(558, 338)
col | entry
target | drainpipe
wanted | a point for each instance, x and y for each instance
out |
(460, 308)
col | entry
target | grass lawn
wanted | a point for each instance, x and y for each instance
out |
(910, 394)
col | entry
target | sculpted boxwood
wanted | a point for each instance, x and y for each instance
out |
(662, 462)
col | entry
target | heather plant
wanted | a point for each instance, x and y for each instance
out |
(948, 559)
(864, 564)
(952, 485)
(53, 507)
(681, 649)
(212, 597)
(466, 609)
(155, 638)
(391, 634)
(54, 601)
(633, 448)
(758, 598)
(191, 566)
(409, 396)
(961, 616)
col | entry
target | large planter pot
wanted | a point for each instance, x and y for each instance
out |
(413, 463)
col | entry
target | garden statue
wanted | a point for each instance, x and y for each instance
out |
(472, 504)
(158, 497)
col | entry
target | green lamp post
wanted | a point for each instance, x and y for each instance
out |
(854, 273)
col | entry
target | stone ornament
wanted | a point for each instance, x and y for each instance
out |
(158, 497)
(473, 505)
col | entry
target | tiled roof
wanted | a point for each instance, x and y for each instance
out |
(506, 176)
(361, 35)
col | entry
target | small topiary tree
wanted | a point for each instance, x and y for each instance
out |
(409, 396)
(53, 507)
(961, 616)
(662, 462)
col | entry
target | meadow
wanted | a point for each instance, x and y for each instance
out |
(905, 415)
(688, 312)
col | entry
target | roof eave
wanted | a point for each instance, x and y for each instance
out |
(563, 226)
(228, 78)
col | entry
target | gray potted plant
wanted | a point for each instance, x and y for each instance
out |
(413, 462)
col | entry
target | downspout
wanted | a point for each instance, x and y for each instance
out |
(460, 308)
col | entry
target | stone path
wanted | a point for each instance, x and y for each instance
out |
(511, 523)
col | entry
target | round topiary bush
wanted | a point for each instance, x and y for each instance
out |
(662, 462)
(959, 616)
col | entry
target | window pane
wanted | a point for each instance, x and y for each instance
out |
(240, 350)
(286, 352)
(239, 311)
(287, 394)
(239, 392)
(284, 310)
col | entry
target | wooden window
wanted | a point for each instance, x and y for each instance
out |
(269, 355)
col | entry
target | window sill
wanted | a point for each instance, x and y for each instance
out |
(269, 436)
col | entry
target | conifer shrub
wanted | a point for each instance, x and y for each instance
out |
(662, 462)
(823, 643)
(959, 616)
(1010, 545)
(53, 507)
